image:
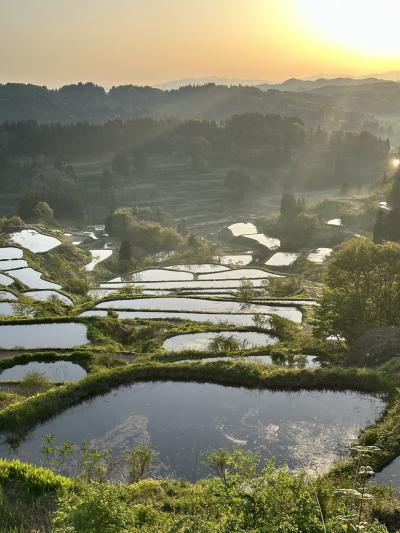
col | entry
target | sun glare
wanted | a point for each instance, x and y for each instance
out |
(395, 162)
(366, 26)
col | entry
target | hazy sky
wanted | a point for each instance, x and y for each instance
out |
(148, 41)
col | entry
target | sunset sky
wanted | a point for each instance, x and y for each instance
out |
(111, 42)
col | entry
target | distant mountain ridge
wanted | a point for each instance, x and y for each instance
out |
(205, 80)
(291, 84)
(341, 102)
(298, 85)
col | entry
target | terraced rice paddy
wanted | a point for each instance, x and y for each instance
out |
(236, 260)
(7, 309)
(241, 273)
(268, 242)
(242, 229)
(97, 257)
(5, 280)
(335, 222)
(241, 320)
(34, 241)
(320, 255)
(57, 372)
(9, 252)
(201, 341)
(32, 279)
(202, 268)
(275, 424)
(44, 296)
(98, 294)
(194, 305)
(9, 264)
(282, 259)
(186, 285)
(160, 275)
(7, 296)
(37, 336)
(211, 281)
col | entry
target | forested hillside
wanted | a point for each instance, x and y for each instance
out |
(92, 103)
(167, 161)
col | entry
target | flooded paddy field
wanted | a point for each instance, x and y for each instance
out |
(184, 421)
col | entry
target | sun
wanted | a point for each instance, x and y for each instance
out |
(368, 26)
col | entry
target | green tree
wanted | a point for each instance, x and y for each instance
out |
(148, 236)
(44, 213)
(126, 251)
(58, 190)
(362, 289)
(193, 241)
(11, 223)
(290, 207)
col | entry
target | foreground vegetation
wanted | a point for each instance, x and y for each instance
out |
(244, 496)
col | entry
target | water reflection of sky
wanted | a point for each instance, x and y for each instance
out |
(183, 421)
(30, 336)
(58, 371)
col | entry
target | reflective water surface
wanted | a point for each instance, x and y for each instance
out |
(282, 259)
(10, 252)
(213, 318)
(5, 280)
(64, 335)
(237, 259)
(44, 296)
(58, 371)
(241, 273)
(7, 309)
(33, 278)
(97, 257)
(200, 341)
(34, 241)
(201, 268)
(197, 305)
(242, 228)
(320, 255)
(10, 264)
(183, 421)
(7, 295)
